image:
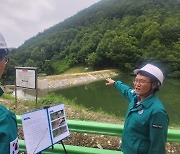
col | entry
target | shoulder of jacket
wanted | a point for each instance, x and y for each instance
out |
(5, 113)
(158, 108)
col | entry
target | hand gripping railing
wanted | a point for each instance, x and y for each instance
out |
(104, 129)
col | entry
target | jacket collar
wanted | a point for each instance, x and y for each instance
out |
(148, 101)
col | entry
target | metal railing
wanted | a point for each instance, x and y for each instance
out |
(97, 128)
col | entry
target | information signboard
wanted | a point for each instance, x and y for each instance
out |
(44, 127)
(26, 77)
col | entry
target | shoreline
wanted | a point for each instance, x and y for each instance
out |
(56, 82)
(52, 83)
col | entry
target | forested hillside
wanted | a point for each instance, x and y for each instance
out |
(110, 34)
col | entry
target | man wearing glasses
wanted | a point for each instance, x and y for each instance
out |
(146, 124)
(8, 124)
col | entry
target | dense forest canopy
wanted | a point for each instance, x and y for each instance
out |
(110, 34)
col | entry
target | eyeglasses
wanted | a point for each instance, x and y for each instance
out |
(141, 82)
(3, 53)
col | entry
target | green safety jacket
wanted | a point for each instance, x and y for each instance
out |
(146, 124)
(8, 132)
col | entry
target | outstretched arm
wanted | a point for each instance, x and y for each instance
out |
(124, 89)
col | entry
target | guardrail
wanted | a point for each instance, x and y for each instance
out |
(58, 149)
(97, 128)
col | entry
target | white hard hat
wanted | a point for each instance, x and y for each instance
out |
(3, 44)
(153, 70)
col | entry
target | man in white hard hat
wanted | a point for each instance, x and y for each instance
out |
(8, 124)
(146, 124)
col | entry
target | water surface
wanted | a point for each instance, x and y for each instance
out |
(97, 96)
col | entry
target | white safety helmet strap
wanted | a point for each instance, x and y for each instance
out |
(153, 70)
(3, 44)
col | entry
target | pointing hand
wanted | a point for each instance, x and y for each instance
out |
(110, 81)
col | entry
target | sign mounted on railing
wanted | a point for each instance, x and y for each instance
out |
(26, 77)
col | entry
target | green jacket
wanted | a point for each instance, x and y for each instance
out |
(146, 124)
(8, 130)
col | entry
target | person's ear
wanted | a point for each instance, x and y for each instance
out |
(154, 85)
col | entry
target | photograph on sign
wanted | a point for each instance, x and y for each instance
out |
(59, 128)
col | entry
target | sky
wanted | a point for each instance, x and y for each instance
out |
(23, 19)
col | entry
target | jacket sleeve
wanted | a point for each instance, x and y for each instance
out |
(125, 90)
(8, 131)
(158, 133)
(4, 135)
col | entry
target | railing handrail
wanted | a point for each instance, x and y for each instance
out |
(58, 148)
(105, 129)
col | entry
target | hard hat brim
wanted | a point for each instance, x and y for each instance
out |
(136, 71)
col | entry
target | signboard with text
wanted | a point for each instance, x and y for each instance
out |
(44, 127)
(26, 77)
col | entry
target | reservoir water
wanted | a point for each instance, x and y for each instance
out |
(98, 96)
